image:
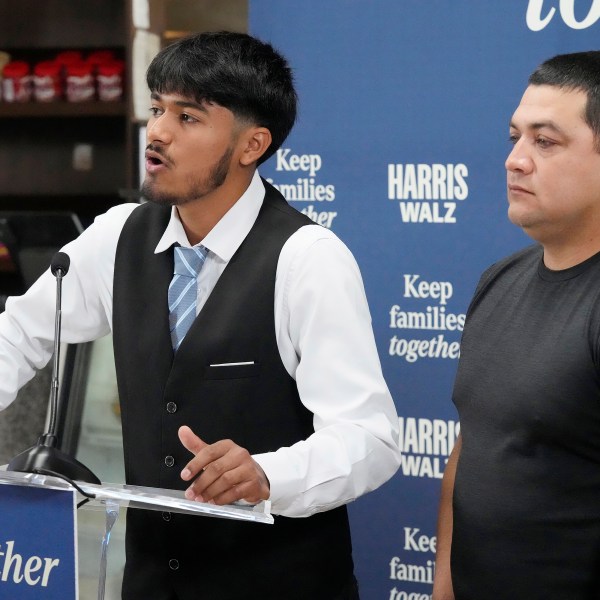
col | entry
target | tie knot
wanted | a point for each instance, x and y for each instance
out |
(189, 261)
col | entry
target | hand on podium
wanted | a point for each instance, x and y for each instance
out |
(222, 473)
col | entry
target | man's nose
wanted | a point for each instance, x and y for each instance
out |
(158, 130)
(519, 158)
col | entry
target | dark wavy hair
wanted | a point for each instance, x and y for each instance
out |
(237, 71)
(576, 71)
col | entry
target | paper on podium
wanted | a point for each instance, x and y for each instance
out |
(145, 497)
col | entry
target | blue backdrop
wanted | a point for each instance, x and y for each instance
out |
(400, 149)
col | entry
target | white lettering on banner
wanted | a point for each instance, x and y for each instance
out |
(14, 568)
(427, 182)
(424, 191)
(412, 350)
(305, 189)
(423, 543)
(413, 573)
(423, 466)
(536, 22)
(324, 218)
(298, 162)
(405, 570)
(425, 436)
(424, 289)
(426, 445)
(423, 212)
(432, 318)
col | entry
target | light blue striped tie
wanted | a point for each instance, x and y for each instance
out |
(183, 290)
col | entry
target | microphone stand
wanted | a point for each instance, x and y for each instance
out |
(45, 458)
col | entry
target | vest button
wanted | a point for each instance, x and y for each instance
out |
(169, 461)
(174, 564)
(171, 407)
(166, 516)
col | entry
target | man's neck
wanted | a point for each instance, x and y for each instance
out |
(200, 216)
(564, 257)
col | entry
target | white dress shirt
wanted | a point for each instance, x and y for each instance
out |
(324, 336)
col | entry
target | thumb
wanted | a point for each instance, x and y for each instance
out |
(190, 440)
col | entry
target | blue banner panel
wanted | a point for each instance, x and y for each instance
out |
(37, 544)
(400, 148)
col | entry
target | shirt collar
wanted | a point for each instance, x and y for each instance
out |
(227, 235)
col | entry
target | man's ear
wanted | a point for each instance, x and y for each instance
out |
(256, 141)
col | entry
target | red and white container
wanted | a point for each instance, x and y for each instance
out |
(16, 81)
(110, 77)
(47, 81)
(80, 84)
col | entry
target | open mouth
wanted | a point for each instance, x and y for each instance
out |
(155, 162)
(154, 157)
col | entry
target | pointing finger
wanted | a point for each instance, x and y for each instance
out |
(194, 444)
(190, 440)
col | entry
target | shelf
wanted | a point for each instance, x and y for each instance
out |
(15, 110)
(38, 140)
(86, 207)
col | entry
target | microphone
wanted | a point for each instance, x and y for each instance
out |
(60, 265)
(45, 458)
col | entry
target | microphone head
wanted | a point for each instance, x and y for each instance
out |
(60, 262)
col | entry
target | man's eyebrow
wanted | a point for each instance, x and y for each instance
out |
(190, 104)
(181, 103)
(537, 125)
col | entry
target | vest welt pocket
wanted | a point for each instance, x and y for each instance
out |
(237, 370)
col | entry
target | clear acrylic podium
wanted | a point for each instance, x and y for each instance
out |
(109, 498)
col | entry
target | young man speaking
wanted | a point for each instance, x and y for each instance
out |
(246, 363)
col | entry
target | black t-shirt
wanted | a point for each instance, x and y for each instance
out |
(527, 488)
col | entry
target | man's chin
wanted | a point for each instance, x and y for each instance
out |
(518, 217)
(528, 223)
(151, 194)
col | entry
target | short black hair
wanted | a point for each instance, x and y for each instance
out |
(234, 70)
(576, 71)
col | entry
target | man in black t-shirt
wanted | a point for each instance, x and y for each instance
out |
(520, 507)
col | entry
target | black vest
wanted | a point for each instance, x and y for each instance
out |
(255, 405)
